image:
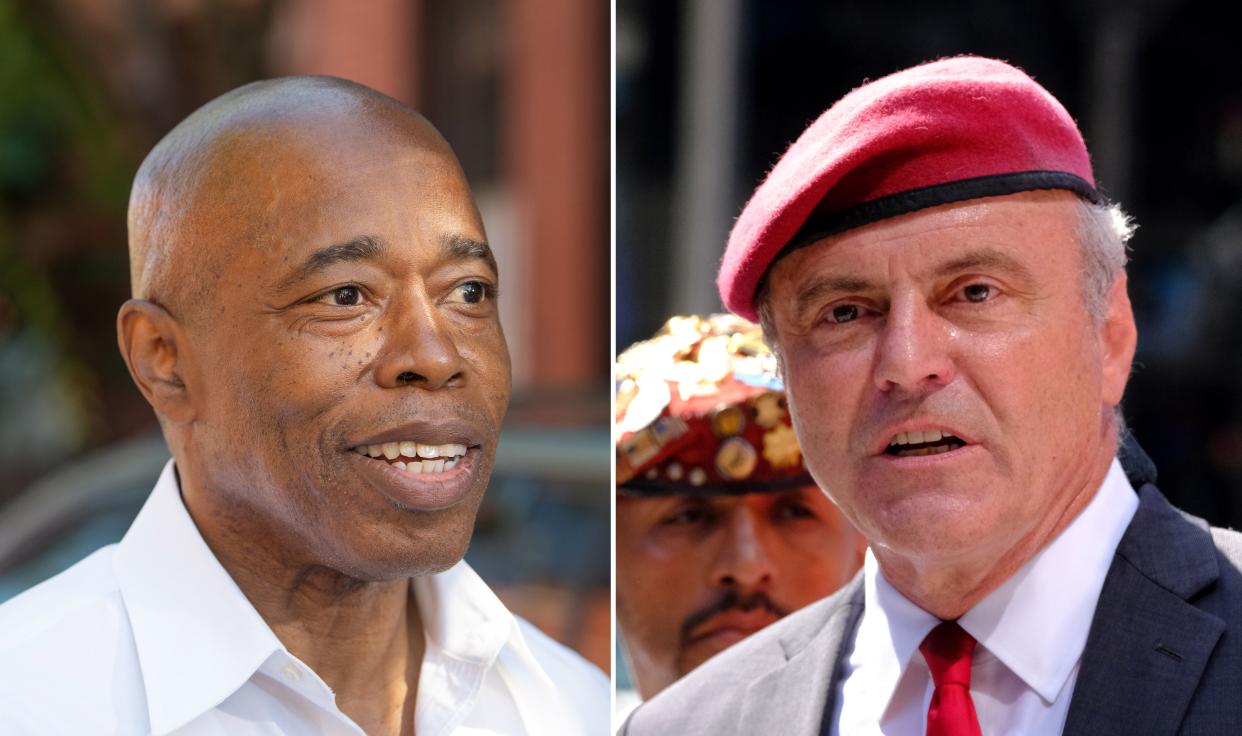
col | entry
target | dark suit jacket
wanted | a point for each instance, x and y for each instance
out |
(1164, 655)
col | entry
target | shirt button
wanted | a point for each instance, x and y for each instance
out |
(291, 673)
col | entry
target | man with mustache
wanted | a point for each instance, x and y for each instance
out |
(945, 287)
(314, 322)
(720, 530)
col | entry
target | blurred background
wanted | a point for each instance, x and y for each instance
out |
(711, 92)
(521, 91)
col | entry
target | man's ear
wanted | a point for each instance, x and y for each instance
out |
(151, 343)
(1119, 338)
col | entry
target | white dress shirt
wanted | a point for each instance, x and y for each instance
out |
(152, 636)
(1030, 631)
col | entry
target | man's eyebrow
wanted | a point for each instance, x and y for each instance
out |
(820, 288)
(460, 247)
(361, 248)
(988, 259)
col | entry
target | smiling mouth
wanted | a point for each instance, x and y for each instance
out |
(415, 457)
(918, 444)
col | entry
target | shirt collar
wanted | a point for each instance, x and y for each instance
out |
(461, 615)
(198, 637)
(1035, 623)
(469, 633)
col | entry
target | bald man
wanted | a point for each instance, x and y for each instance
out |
(314, 322)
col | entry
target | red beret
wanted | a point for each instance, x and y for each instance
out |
(946, 131)
(701, 411)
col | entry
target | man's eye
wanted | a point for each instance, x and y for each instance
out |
(844, 313)
(475, 292)
(796, 511)
(978, 292)
(346, 296)
(692, 515)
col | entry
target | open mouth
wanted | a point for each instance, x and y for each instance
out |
(415, 457)
(918, 444)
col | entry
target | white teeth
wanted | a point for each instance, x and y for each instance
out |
(431, 452)
(416, 467)
(410, 450)
(918, 438)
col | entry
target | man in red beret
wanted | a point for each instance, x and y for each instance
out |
(720, 529)
(945, 288)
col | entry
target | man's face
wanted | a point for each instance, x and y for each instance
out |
(967, 320)
(697, 574)
(359, 312)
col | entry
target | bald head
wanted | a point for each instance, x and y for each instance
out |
(312, 276)
(218, 180)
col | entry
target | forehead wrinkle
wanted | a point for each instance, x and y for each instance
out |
(984, 259)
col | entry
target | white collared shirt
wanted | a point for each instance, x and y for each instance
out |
(152, 636)
(1030, 631)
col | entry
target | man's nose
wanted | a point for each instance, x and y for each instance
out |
(743, 561)
(913, 356)
(419, 348)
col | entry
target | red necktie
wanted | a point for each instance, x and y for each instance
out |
(948, 649)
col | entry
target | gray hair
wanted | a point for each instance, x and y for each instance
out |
(1104, 230)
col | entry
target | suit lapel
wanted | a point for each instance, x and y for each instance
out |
(799, 695)
(1148, 645)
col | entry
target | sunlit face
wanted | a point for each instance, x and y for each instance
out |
(697, 574)
(965, 320)
(359, 312)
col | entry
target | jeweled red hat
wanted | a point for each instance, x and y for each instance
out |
(945, 131)
(701, 411)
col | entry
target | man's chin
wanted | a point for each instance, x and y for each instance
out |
(704, 649)
(399, 552)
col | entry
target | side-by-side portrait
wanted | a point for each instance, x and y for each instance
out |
(620, 368)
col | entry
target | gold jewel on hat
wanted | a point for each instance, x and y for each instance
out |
(728, 421)
(736, 459)
(780, 447)
(769, 409)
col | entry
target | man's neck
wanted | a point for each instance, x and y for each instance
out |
(364, 639)
(948, 589)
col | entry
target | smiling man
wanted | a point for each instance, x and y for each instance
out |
(315, 323)
(720, 529)
(945, 288)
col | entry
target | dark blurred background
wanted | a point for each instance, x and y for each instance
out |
(711, 92)
(520, 90)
